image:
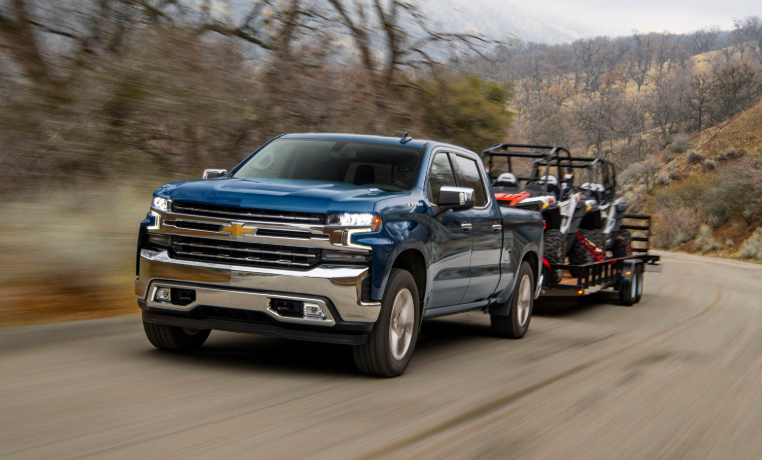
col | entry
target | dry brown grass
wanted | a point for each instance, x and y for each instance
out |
(69, 254)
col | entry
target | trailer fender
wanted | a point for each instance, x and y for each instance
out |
(629, 271)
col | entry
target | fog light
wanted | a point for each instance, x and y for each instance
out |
(313, 310)
(162, 295)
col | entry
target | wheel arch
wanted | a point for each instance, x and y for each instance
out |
(503, 305)
(413, 260)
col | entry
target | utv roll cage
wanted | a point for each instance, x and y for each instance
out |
(599, 170)
(544, 154)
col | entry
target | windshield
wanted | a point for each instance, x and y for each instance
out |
(389, 168)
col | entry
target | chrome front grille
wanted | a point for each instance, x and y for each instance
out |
(243, 253)
(226, 212)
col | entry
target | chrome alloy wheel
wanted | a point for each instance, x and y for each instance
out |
(401, 324)
(525, 300)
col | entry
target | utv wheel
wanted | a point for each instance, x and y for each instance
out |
(578, 255)
(515, 325)
(175, 338)
(595, 236)
(554, 252)
(390, 344)
(622, 245)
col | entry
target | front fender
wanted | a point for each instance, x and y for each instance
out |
(396, 236)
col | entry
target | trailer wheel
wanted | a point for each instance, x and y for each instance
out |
(553, 252)
(640, 277)
(628, 293)
(390, 344)
(515, 325)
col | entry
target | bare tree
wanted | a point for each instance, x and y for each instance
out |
(591, 56)
(736, 87)
(704, 38)
(599, 115)
(641, 56)
(666, 101)
(664, 50)
(698, 102)
(751, 30)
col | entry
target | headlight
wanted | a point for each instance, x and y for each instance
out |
(160, 204)
(366, 220)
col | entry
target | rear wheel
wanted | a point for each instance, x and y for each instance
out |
(516, 324)
(175, 338)
(390, 344)
(578, 255)
(554, 251)
(594, 236)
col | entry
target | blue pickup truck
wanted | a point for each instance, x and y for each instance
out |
(339, 238)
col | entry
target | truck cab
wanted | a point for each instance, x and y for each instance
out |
(336, 238)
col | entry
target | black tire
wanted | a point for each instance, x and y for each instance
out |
(554, 252)
(376, 357)
(511, 326)
(641, 277)
(595, 236)
(628, 291)
(622, 245)
(578, 255)
(175, 338)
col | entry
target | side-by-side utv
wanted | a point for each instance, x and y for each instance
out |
(585, 219)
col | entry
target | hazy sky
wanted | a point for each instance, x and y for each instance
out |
(617, 17)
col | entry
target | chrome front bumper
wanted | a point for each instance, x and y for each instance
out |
(252, 288)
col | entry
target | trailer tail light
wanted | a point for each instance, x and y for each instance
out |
(544, 224)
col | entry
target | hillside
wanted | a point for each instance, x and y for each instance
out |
(709, 199)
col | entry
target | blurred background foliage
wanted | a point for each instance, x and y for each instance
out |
(101, 101)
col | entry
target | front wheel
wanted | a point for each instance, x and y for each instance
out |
(554, 251)
(390, 344)
(175, 338)
(515, 325)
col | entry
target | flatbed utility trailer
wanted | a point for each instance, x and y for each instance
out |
(624, 274)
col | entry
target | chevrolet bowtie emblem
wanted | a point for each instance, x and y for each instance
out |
(237, 229)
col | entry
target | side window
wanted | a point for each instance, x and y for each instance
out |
(471, 178)
(441, 174)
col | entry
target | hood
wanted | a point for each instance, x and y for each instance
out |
(276, 194)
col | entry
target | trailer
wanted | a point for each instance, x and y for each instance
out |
(623, 274)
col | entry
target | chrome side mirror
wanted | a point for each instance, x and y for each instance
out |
(214, 173)
(455, 198)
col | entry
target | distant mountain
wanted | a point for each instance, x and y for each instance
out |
(500, 19)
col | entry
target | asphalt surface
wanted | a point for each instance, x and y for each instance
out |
(676, 376)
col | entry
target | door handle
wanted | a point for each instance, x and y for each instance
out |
(466, 226)
(497, 227)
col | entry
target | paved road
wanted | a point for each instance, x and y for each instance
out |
(677, 376)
